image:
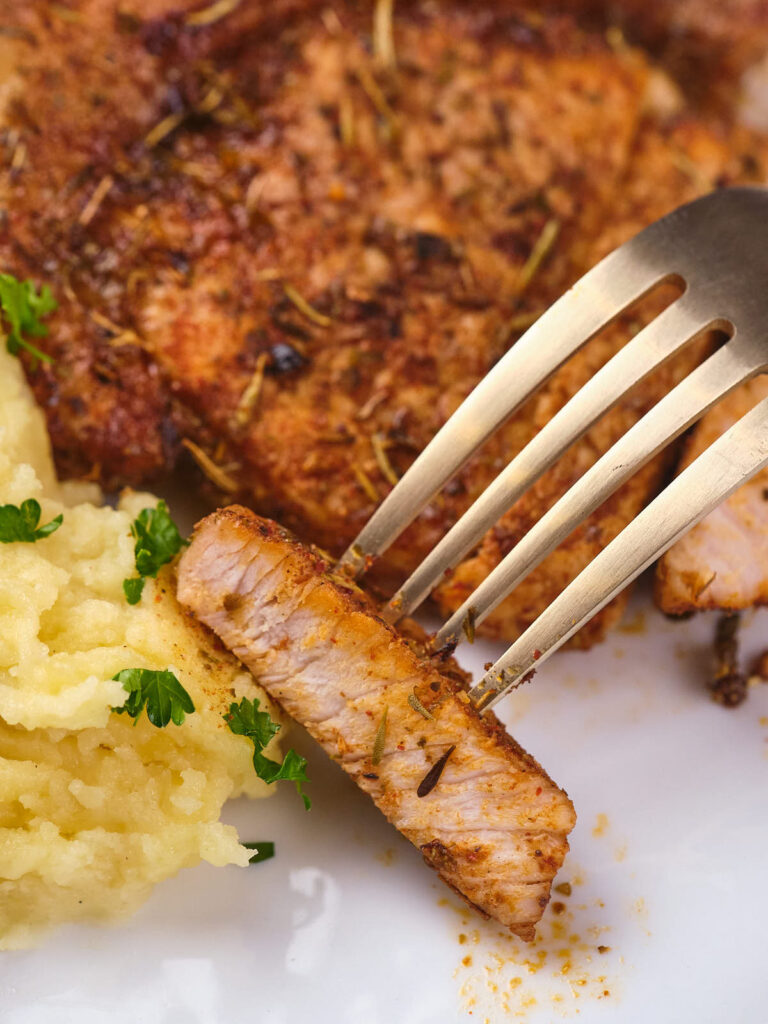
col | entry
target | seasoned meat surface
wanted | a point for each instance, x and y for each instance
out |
(722, 562)
(281, 256)
(706, 44)
(493, 825)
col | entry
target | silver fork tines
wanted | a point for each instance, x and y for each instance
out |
(664, 336)
(712, 247)
(685, 404)
(735, 457)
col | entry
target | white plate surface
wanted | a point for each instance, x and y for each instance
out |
(347, 926)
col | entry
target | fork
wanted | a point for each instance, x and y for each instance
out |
(715, 249)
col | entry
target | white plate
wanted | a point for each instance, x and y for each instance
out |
(347, 926)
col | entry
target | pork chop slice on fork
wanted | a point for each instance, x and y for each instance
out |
(481, 810)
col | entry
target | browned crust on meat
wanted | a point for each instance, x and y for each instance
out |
(440, 859)
(409, 236)
(495, 825)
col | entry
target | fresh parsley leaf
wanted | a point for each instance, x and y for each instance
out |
(133, 589)
(245, 719)
(162, 693)
(20, 523)
(22, 307)
(264, 851)
(158, 541)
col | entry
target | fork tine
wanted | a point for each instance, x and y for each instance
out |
(735, 457)
(675, 327)
(723, 371)
(601, 295)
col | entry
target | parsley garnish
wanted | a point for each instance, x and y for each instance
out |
(19, 523)
(157, 541)
(165, 697)
(22, 308)
(245, 719)
(133, 589)
(264, 851)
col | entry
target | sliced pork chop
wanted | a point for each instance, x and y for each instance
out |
(494, 825)
(722, 562)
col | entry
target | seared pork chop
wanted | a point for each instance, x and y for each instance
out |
(274, 251)
(492, 824)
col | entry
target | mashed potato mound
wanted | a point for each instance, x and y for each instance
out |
(94, 809)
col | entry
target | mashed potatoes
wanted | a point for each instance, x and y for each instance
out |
(95, 810)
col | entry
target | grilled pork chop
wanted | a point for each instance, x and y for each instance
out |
(492, 823)
(276, 253)
(722, 562)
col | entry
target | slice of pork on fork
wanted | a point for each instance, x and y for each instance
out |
(482, 812)
(715, 248)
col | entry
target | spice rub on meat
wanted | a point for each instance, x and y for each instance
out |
(287, 255)
(707, 45)
(481, 811)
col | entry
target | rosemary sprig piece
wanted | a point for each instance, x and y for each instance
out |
(214, 12)
(381, 105)
(215, 474)
(383, 36)
(250, 395)
(366, 483)
(468, 625)
(90, 209)
(305, 308)
(432, 777)
(378, 743)
(378, 444)
(346, 121)
(163, 128)
(416, 704)
(539, 253)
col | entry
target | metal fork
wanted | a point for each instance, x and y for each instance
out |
(717, 249)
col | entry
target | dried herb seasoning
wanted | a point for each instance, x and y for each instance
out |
(378, 743)
(432, 777)
(416, 704)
